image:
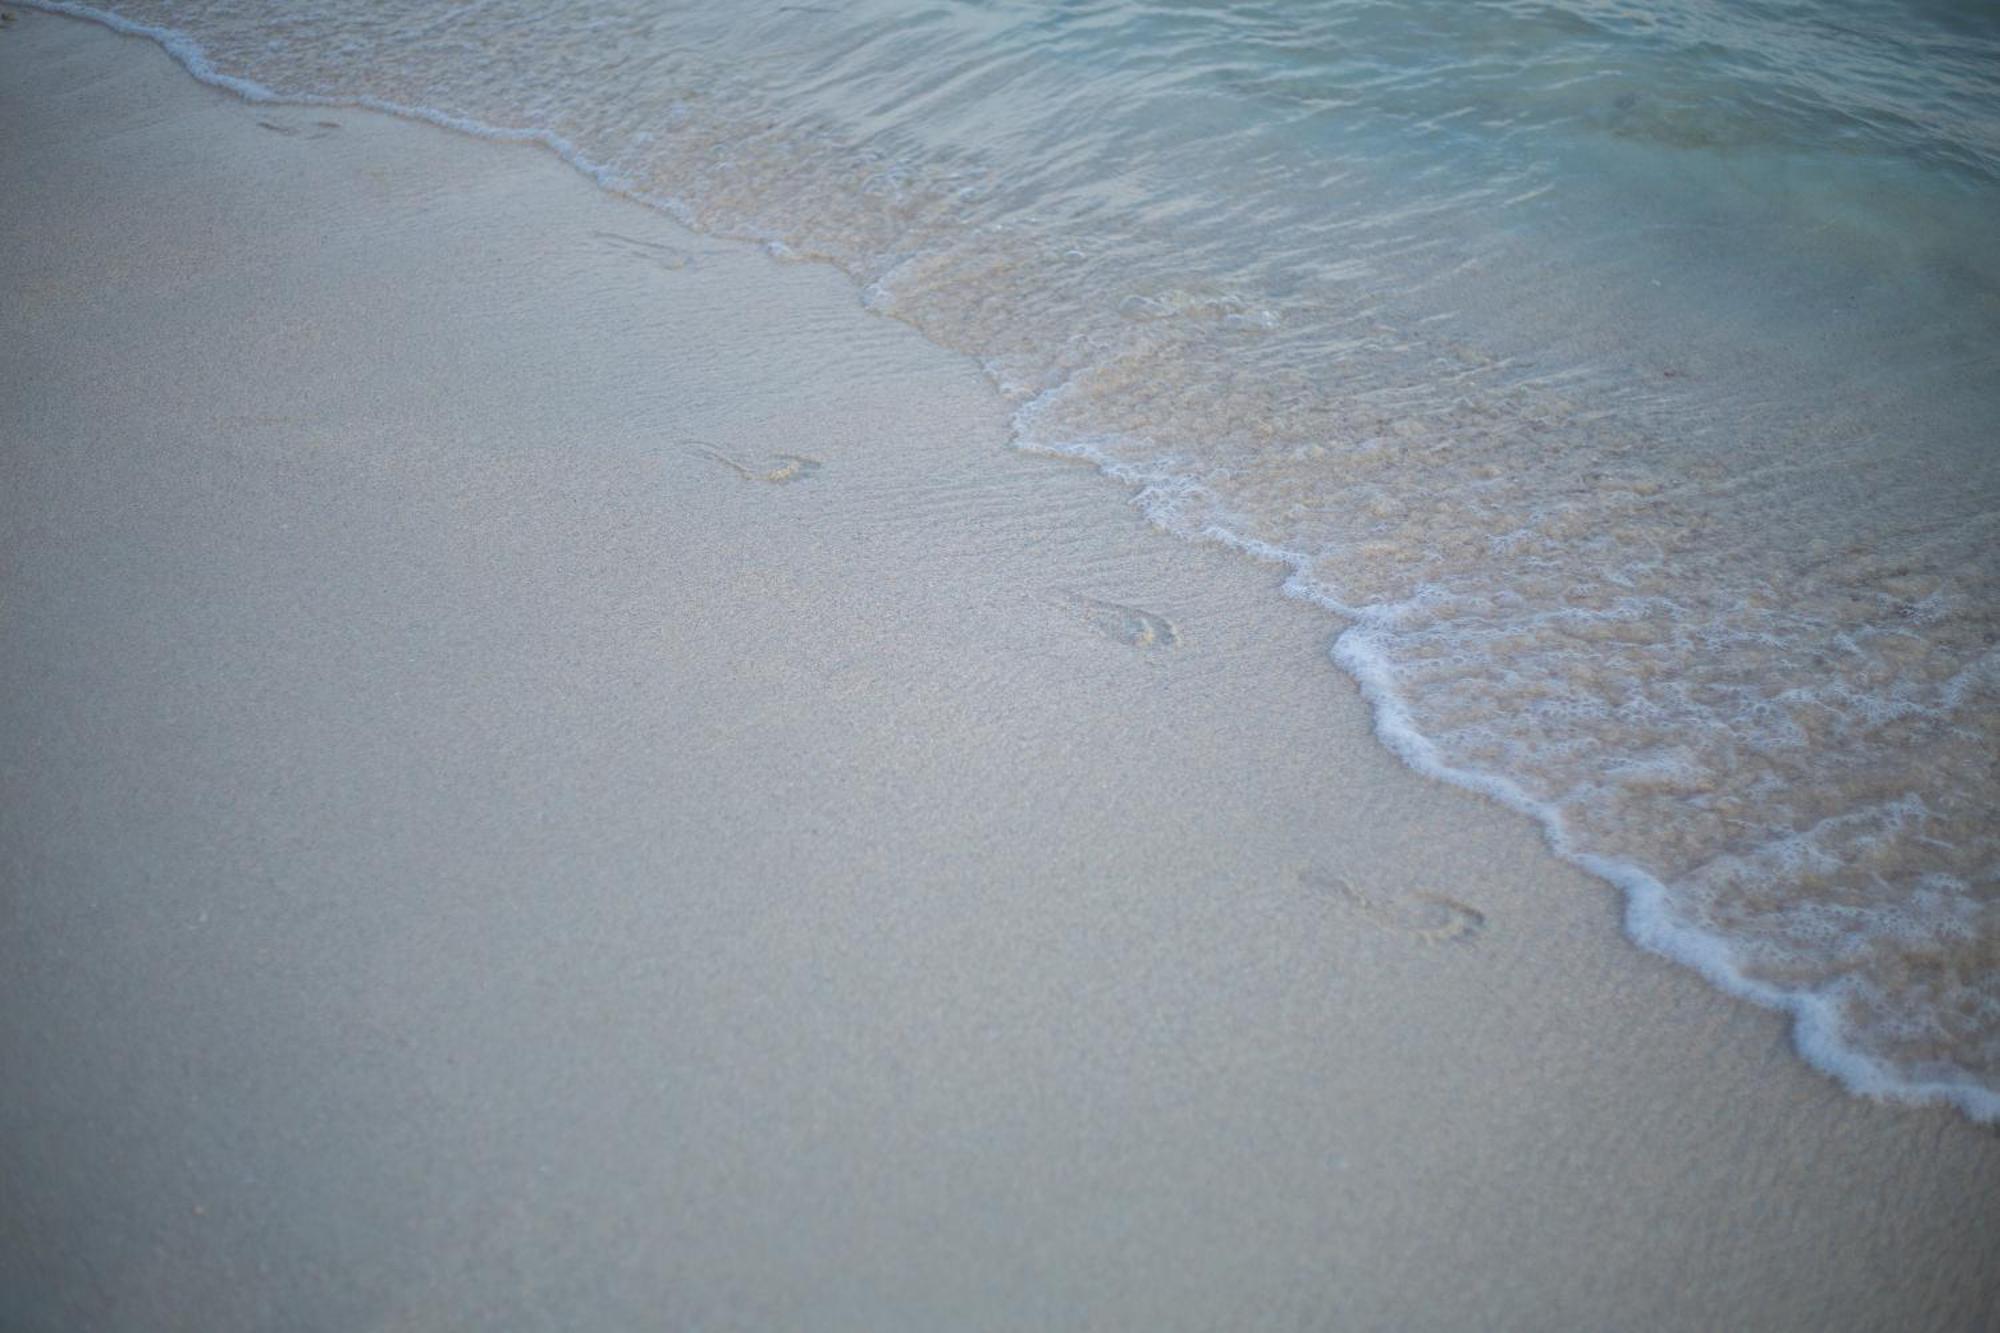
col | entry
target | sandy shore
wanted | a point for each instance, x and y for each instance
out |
(555, 773)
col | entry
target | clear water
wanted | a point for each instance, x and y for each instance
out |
(1627, 375)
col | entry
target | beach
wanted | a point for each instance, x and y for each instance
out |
(559, 772)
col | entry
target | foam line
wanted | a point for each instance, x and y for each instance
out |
(1649, 918)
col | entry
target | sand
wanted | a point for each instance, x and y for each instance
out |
(557, 773)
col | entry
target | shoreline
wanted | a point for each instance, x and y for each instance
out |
(1651, 922)
(941, 889)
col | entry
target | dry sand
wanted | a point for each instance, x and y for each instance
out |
(472, 858)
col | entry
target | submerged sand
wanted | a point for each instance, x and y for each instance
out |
(554, 772)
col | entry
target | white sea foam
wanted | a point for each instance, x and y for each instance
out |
(1636, 415)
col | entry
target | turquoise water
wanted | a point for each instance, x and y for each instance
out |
(1624, 377)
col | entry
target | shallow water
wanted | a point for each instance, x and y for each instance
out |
(1627, 376)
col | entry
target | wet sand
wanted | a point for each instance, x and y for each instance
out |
(555, 772)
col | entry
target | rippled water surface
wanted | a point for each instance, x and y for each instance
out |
(1626, 374)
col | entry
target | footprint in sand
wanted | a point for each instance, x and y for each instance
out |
(659, 255)
(790, 467)
(1429, 917)
(1127, 624)
(319, 129)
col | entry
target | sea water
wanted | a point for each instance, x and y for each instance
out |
(1624, 374)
